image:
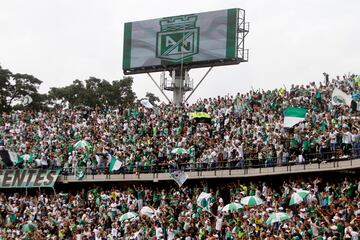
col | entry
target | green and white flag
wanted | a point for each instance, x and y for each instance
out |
(191, 151)
(338, 97)
(80, 173)
(294, 115)
(179, 177)
(115, 164)
(203, 201)
(128, 216)
(29, 158)
(9, 158)
(295, 199)
(14, 157)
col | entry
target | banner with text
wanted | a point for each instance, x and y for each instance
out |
(27, 178)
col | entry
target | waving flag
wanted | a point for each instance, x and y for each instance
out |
(146, 103)
(115, 164)
(9, 158)
(80, 172)
(338, 97)
(294, 115)
(203, 201)
(29, 158)
(179, 177)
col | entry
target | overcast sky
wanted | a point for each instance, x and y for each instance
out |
(59, 41)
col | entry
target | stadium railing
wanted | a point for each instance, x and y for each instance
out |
(269, 163)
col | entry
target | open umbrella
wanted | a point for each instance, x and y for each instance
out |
(277, 217)
(128, 216)
(295, 199)
(251, 201)
(179, 151)
(147, 211)
(201, 117)
(29, 227)
(82, 144)
(232, 207)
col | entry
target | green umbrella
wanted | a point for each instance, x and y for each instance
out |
(29, 227)
(295, 199)
(201, 117)
(232, 207)
(128, 216)
(277, 217)
(179, 151)
(82, 144)
(251, 201)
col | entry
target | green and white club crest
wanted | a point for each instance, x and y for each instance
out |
(338, 100)
(178, 38)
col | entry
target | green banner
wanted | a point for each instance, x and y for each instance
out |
(27, 178)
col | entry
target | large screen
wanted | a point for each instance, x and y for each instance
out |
(186, 39)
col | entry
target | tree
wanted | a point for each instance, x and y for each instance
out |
(14, 87)
(95, 92)
(152, 98)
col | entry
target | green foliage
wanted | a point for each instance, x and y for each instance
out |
(14, 87)
(91, 93)
(95, 92)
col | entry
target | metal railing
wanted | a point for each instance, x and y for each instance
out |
(234, 164)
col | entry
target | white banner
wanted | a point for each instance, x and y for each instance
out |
(338, 97)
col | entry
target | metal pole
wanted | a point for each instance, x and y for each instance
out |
(158, 87)
(199, 83)
(178, 95)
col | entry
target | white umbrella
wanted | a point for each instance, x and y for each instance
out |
(82, 144)
(232, 207)
(277, 217)
(251, 201)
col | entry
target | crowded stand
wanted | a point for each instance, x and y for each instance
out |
(246, 130)
(291, 208)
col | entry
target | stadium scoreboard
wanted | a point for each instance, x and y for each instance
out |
(192, 40)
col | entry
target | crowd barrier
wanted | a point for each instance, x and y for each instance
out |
(317, 159)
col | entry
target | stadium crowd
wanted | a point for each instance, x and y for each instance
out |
(330, 210)
(244, 130)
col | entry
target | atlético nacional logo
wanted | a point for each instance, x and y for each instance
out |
(178, 38)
